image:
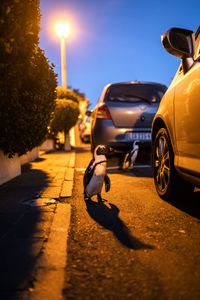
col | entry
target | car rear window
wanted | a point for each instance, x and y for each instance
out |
(136, 93)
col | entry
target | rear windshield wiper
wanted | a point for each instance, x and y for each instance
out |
(129, 98)
(139, 98)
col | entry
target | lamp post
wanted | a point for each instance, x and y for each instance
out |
(62, 30)
(63, 62)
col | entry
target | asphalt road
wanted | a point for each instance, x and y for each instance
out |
(133, 245)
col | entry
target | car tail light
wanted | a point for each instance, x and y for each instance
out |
(103, 112)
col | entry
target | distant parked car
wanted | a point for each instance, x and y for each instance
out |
(176, 126)
(124, 114)
(85, 129)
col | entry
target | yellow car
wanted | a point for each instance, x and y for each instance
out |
(176, 125)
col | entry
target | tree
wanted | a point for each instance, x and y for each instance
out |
(27, 79)
(65, 114)
(66, 93)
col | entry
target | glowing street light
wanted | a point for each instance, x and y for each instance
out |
(62, 30)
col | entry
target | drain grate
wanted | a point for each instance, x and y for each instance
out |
(39, 201)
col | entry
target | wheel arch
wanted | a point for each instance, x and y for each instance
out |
(178, 184)
(157, 124)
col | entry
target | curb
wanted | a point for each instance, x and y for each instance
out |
(48, 282)
(50, 271)
(66, 190)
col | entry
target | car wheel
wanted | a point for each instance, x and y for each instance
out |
(168, 183)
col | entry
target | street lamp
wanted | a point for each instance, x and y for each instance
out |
(62, 31)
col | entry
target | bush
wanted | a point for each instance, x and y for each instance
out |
(27, 80)
(65, 93)
(65, 116)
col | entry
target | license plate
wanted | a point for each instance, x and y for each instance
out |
(139, 136)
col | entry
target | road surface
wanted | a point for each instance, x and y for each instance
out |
(133, 245)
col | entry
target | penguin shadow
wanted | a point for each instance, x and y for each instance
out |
(107, 215)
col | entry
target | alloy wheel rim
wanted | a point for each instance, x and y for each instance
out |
(162, 164)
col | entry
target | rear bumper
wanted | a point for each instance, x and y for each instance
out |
(105, 133)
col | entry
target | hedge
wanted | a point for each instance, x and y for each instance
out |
(27, 79)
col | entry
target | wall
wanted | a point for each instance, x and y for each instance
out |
(9, 167)
(29, 156)
(47, 145)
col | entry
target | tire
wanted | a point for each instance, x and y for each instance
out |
(169, 185)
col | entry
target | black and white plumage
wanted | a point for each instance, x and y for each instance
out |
(131, 156)
(95, 174)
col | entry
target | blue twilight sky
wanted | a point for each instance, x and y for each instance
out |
(114, 40)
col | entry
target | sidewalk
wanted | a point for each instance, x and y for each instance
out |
(34, 223)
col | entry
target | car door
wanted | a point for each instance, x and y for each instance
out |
(187, 115)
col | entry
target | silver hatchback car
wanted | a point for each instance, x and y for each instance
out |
(124, 114)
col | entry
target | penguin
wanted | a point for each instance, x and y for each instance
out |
(95, 174)
(131, 156)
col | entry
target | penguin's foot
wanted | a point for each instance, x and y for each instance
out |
(87, 198)
(100, 199)
(89, 201)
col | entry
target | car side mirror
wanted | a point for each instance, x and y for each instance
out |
(88, 113)
(180, 42)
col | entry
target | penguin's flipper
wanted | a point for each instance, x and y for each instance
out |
(107, 183)
(88, 174)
